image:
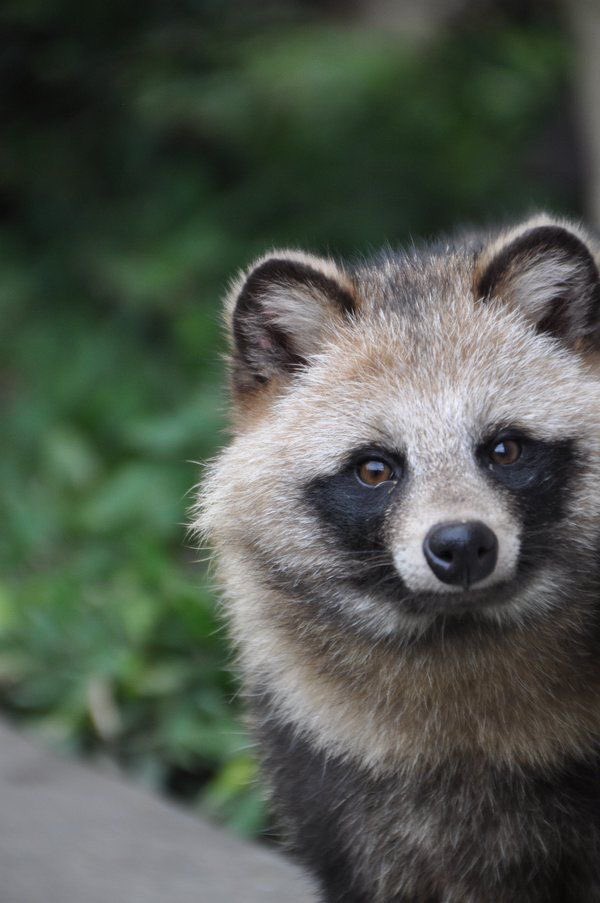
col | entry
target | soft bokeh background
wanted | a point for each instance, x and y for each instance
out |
(146, 152)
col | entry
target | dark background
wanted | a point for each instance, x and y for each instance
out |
(147, 151)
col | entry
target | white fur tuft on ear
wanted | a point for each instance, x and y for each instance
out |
(507, 236)
(278, 311)
(545, 268)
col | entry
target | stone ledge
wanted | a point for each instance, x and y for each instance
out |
(69, 834)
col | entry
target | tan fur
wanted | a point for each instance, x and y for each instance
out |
(428, 382)
(526, 700)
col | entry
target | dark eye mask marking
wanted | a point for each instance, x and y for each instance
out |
(537, 487)
(355, 516)
(540, 477)
(354, 511)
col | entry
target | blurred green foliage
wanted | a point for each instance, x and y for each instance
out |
(147, 152)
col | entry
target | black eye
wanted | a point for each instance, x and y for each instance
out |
(505, 451)
(374, 472)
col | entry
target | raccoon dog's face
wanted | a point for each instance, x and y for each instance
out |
(417, 439)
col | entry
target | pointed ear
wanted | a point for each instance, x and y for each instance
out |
(547, 270)
(279, 312)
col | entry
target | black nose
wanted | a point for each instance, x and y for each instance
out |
(461, 553)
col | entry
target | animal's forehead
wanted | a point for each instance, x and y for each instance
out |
(443, 345)
(405, 282)
(450, 369)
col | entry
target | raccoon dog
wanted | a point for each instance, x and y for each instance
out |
(407, 529)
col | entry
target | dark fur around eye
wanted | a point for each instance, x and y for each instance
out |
(354, 511)
(538, 481)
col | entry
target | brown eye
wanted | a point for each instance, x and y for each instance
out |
(506, 451)
(374, 472)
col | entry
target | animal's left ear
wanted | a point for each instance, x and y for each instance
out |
(548, 272)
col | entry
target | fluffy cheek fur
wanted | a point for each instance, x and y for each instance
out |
(433, 409)
(346, 664)
(277, 545)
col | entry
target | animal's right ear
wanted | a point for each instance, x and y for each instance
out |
(280, 311)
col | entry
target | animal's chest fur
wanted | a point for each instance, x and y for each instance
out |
(462, 832)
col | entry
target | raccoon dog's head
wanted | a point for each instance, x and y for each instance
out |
(417, 439)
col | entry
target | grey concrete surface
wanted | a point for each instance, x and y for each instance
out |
(69, 834)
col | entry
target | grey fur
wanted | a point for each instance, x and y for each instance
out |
(445, 720)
